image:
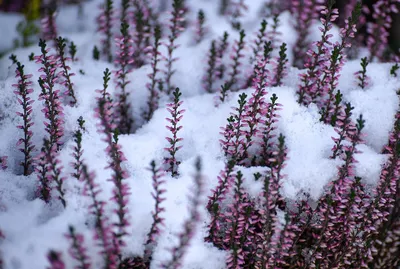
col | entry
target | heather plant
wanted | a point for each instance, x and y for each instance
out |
(141, 34)
(61, 43)
(189, 225)
(362, 74)
(123, 60)
(176, 115)
(236, 56)
(175, 28)
(317, 58)
(54, 169)
(23, 90)
(53, 110)
(96, 53)
(200, 27)
(48, 24)
(72, 51)
(281, 66)
(78, 149)
(156, 57)
(157, 175)
(378, 31)
(105, 24)
(221, 51)
(345, 127)
(121, 190)
(251, 219)
(210, 76)
(393, 70)
(77, 250)
(257, 45)
(305, 12)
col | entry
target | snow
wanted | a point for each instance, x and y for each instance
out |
(32, 227)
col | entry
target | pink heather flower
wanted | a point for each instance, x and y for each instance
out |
(77, 249)
(53, 110)
(378, 31)
(225, 181)
(23, 89)
(42, 170)
(267, 130)
(105, 20)
(176, 116)
(121, 190)
(48, 23)
(237, 220)
(344, 128)
(123, 61)
(317, 59)
(234, 143)
(157, 220)
(103, 233)
(257, 45)
(305, 12)
(65, 73)
(54, 169)
(175, 30)
(55, 260)
(143, 19)
(189, 225)
(327, 84)
(152, 102)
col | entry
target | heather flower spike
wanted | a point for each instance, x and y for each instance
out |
(103, 233)
(233, 143)
(314, 64)
(54, 169)
(23, 90)
(235, 65)
(210, 76)
(157, 220)
(378, 31)
(189, 225)
(221, 51)
(77, 149)
(105, 24)
(176, 115)
(72, 51)
(48, 23)
(344, 129)
(121, 189)
(124, 59)
(362, 75)
(53, 110)
(55, 260)
(156, 56)
(281, 66)
(200, 28)
(66, 74)
(175, 31)
(77, 249)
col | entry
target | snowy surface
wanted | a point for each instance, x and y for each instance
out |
(32, 227)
